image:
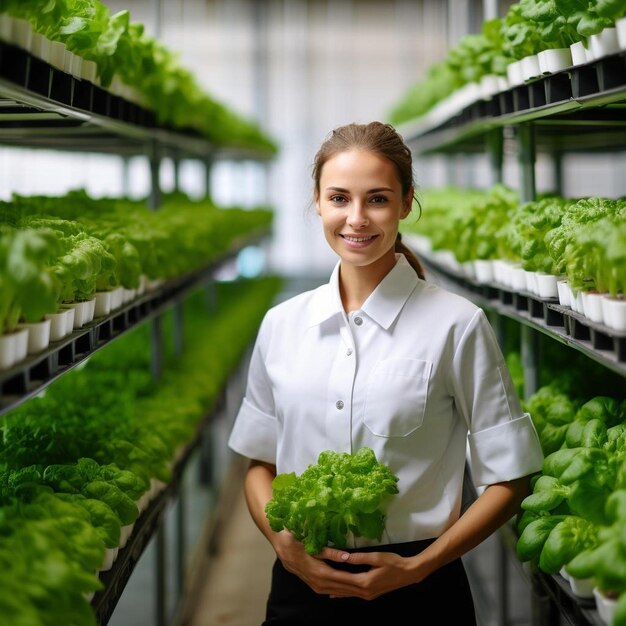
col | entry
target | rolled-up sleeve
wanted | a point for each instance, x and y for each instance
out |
(503, 442)
(254, 432)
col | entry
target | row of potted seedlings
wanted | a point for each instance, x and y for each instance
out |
(32, 338)
(57, 274)
(19, 32)
(554, 248)
(87, 41)
(532, 40)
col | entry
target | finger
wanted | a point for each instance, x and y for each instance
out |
(332, 554)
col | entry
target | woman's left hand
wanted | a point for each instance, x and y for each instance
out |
(388, 571)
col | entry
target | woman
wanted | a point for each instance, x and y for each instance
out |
(379, 357)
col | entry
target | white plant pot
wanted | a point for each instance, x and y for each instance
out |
(110, 554)
(58, 325)
(69, 320)
(604, 43)
(489, 86)
(517, 276)
(143, 502)
(156, 487)
(483, 270)
(592, 306)
(7, 351)
(57, 54)
(445, 258)
(125, 533)
(530, 67)
(38, 335)
(468, 269)
(68, 57)
(564, 574)
(40, 46)
(141, 289)
(564, 292)
(116, 298)
(90, 310)
(605, 606)
(551, 61)
(620, 27)
(503, 83)
(579, 53)
(576, 302)
(89, 70)
(531, 282)
(128, 295)
(582, 587)
(21, 344)
(614, 312)
(76, 64)
(505, 273)
(471, 93)
(81, 312)
(546, 285)
(514, 73)
(5, 27)
(21, 33)
(102, 303)
(499, 268)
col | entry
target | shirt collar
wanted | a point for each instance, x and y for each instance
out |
(384, 303)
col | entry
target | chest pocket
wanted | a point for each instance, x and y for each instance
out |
(395, 402)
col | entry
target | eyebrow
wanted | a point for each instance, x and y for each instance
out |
(377, 190)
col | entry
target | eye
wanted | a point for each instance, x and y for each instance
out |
(378, 199)
(337, 199)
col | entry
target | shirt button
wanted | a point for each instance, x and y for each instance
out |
(358, 321)
(339, 404)
(349, 351)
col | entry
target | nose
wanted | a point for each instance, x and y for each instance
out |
(357, 217)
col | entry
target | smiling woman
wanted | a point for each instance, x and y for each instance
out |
(390, 362)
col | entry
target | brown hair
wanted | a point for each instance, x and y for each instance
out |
(384, 141)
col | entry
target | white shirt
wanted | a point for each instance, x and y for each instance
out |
(416, 374)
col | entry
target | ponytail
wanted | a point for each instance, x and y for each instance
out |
(410, 257)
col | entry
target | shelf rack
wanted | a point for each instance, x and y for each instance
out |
(596, 341)
(32, 375)
(589, 98)
(43, 107)
(580, 109)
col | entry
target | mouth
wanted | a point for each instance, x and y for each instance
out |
(356, 242)
(354, 239)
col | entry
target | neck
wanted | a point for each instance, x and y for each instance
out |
(357, 283)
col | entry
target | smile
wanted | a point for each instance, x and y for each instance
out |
(358, 239)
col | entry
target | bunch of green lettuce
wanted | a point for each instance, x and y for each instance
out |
(342, 493)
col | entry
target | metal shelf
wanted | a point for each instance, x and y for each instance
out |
(35, 373)
(43, 107)
(589, 99)
(596, 341)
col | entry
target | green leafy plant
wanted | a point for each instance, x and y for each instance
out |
(341, 493)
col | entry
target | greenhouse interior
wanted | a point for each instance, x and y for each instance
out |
(392, 185)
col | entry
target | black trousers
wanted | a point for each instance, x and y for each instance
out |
(441, 599)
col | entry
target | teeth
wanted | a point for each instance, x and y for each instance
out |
(357, 239)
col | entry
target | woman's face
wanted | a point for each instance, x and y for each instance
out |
(361, 204)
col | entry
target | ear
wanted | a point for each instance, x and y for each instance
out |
(408, 203)
(316, 202)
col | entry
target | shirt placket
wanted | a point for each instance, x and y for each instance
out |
(340, 390)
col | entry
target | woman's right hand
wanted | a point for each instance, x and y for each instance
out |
(313, 570)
